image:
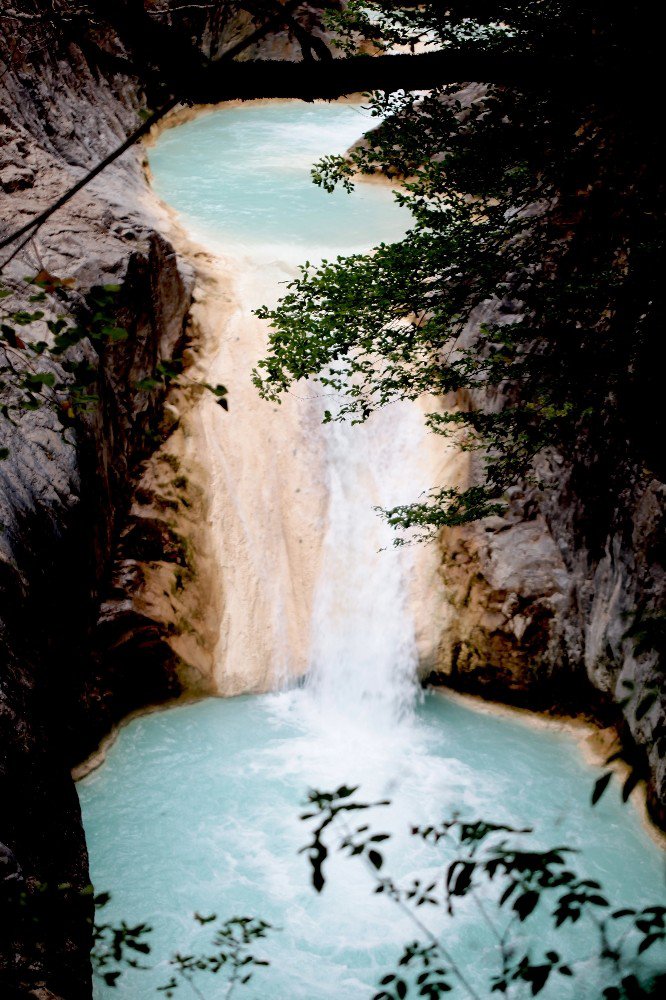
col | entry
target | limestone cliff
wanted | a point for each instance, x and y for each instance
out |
(558, 604)
(79, 646)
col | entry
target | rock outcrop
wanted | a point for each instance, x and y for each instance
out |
(544, 621)
(558, 604)
(78, 646)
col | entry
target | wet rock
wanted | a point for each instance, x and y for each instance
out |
(545, 617)
(64, 494)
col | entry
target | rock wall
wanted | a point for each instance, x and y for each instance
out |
(558, 604)
(87, 516)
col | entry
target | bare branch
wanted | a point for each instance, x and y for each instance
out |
(35, 223)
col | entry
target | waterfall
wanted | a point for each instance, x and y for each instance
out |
(198, 808)
(311, 582)
(364, 654)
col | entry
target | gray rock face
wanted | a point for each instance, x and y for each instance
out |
(62, 495)
(545, 619)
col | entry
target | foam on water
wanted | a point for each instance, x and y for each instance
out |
(198, 808)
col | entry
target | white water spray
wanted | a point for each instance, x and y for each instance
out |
(364, 654)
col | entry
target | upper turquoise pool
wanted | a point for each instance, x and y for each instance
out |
(241, 176)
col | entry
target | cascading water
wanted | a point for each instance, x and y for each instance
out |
(196, 809)
(278, 475)
(364, 656)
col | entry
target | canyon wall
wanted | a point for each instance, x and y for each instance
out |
(93, 520)
(543, 620)
(558, 603)
(105, 549)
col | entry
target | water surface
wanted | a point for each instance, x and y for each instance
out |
(197, 809)
(240, 177)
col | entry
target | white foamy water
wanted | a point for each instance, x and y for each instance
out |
(364, 655)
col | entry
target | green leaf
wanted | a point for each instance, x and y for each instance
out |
(645, 704)
(600, 786)
(648, 941)
(525, 903)
(40, 378)
(345, 791)
(633, 778)
(115, 333)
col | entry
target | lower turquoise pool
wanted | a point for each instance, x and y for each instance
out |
(197, 809)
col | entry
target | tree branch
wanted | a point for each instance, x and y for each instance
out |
(34, 224)
(204, 82)
(310, 80)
